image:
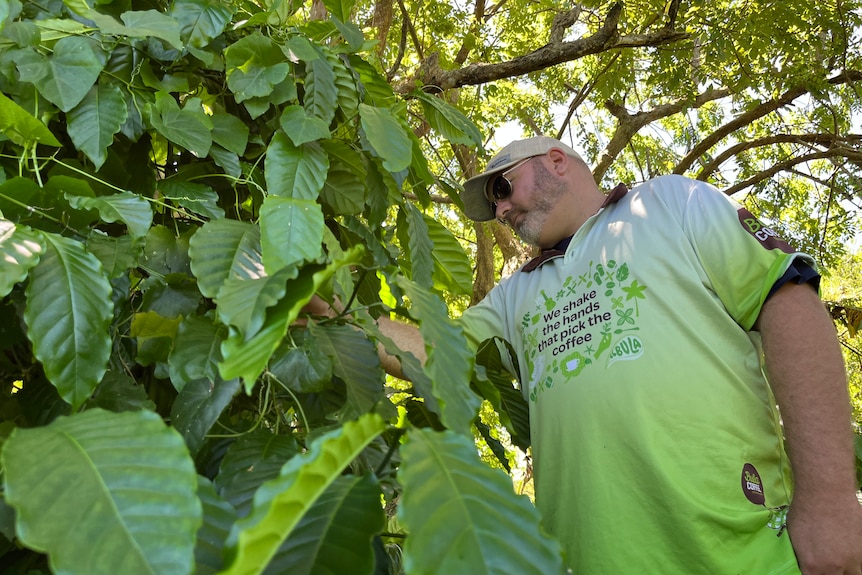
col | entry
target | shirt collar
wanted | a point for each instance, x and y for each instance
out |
(560, 248)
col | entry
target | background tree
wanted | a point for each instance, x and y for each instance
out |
(179, 178)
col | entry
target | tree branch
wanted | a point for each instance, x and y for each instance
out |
(779, 167)
(629, 124)
(755, 114)
(607, 38)
(819, 139)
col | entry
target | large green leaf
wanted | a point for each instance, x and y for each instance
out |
(301, 127)
(335, 535)
(201, 20)
(246, 355)
(243, 303)
(21, 127)
(254, 66)
(20, 250)
(453, 271)
(463, 516)
(253, 458)
(355, 361)
(126, 207)
(140, 24)
(189, 127)
(198, 406)
(105, 493)
(94, 121)
(448, 120)
(387, 136)
(230, 132)
(450, 359)
(67, 75)
(69, 310)
(222, 249)
(321, 95)
(348, 94)
(295, 170)
(291, 231)
(218, 517)
(150, 23)
(341, 9)
(247, 358)
(281, 503)
(419, 245)
(345, 188)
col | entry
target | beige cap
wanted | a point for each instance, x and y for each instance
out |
(475, 200)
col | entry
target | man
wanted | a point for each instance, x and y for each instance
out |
(657, 446)
(656, 443)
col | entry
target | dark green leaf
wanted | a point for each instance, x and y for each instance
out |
(420, 245)
(387, 136)
(243, 303)
(335, 535)
(355, 361)
(301, 127)
(67, 75)
(69, 310)
(464, 517)
(197, 198)
(219, 517)
(345, 189)
(189, 127)
(126, 207)
(116, 254)
(321, 95)
(295, 171)
(255, 457)
(254, 65)
(119, 392)
(449, 358)
(196, 351)
(230, 132)
(449, 121)
(201, 20)
(198, 406)
(105, 493)
(281, 503)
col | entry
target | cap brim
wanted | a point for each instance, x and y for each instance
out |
(476, 205)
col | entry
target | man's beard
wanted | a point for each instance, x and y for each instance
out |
(546, 192)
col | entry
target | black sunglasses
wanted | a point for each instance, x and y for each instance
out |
(501, 187)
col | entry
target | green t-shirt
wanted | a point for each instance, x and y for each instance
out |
(656, 443)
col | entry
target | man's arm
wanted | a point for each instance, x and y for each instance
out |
(405, 335)
(806, 372)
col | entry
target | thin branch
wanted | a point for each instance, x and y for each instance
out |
(779, 167)
(820, 139)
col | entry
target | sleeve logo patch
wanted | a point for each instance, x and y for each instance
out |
(765, 235)
(752, 485)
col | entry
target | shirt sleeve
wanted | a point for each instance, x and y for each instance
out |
(741, 256)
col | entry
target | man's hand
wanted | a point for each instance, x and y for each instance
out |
(827, 538)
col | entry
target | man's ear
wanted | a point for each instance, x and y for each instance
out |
(559, 161)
